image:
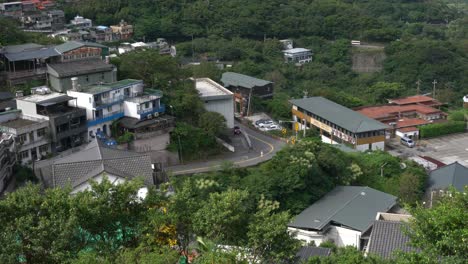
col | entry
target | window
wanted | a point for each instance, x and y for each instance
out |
(147, 105)
(102, 76)
(109, 109)
(87, 78)
(41, 132)
(24, 154)
(22, 138)
(43, 148)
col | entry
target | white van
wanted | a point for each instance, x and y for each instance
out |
(407, 142)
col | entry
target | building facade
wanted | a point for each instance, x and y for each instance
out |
(245, 88)
(123, 30)
(216, 99)
(81, 22)
(7, 159)
(67, 125)
(338, 124)
(297, 55)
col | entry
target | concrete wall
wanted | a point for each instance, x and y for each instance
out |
(64, 84)
(343, 237)
(414, 134)
(83, 100)
(28, 108)
(225, 107)
(307, 236)
(93, 129)
(131, 109)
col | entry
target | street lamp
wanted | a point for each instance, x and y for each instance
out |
(179, 146)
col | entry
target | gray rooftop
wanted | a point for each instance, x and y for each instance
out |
(18, 123)
(387, 238)
(339, 115)
(306, 253)
(96, 159)
(74, 68)
(21, 47)
(105, 87)
(41, 53)
(454, 174)
(352, 206)
(241, 80)
(71, 45)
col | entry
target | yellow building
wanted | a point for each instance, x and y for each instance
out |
(338, 124)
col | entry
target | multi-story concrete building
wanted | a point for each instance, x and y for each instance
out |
(81, 22)
(216, 98)
(11, 9)
(297, 55)
(338, 124)
(7, 159)
(67, 125)
(123, 30)
(31, 136)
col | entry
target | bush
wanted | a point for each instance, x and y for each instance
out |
(434, 130)
(127, 137)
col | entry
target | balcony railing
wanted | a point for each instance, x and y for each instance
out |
(110, 100)
(105, 118)
(145, 112)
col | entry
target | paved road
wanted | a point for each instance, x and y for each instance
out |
(243, 157)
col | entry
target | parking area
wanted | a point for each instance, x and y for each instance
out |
(263, 122)
(447, 149)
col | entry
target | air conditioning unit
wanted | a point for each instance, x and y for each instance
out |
(156, 114)
(149, 116)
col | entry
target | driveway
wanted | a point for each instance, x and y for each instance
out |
(447, 149)
(263, 149)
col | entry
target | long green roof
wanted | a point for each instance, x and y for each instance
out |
(339, 115)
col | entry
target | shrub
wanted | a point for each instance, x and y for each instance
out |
(127, 137)
(434, 130)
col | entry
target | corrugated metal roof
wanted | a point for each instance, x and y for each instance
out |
(32, 54)
(339, 115)
(352, 206)
(306, 253)
(454, 174)
(21, 47)
(237, 79)
(74, 68)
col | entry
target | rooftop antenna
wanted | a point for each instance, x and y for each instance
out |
(434, 88)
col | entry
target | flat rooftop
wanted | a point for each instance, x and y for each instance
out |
(47, 99)
(18, 123)
(142, 99)
(105, 87)
(209, 88)
(296, 50)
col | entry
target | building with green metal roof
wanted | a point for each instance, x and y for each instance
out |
(339, 124)
(341, 215)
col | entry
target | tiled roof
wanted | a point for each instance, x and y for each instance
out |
(383, 111)
(344, 117)
(408, 129)
(410, 122)
(387, 237)
(96, 159)
(412, 100)
(306, 253)
(351, 206)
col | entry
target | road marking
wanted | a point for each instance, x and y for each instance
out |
(272, 148)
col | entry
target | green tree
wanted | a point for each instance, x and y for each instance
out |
(223, 217)
(442, 231)
(212, 123)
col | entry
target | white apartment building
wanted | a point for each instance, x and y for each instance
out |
(298, 55)
(81, 22)
(216, 98)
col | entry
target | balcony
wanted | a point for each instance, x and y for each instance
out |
(104, 102)
(145, 112)
(105, 118)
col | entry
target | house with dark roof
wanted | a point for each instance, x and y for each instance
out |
(341, 216)
(244, 87)
(305, 253)
(94, 162)
(440, 180)
(338, 124)
(386, 236)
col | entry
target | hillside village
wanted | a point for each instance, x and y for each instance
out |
(123, 147)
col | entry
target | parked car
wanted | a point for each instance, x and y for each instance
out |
(407, 142)
(266, 123)
(237, 130)
(260, 121)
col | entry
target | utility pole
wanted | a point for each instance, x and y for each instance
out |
(418, 88)
(434, 88)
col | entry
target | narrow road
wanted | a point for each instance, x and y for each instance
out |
(263, 149)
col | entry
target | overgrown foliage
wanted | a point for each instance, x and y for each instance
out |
(440, 129)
